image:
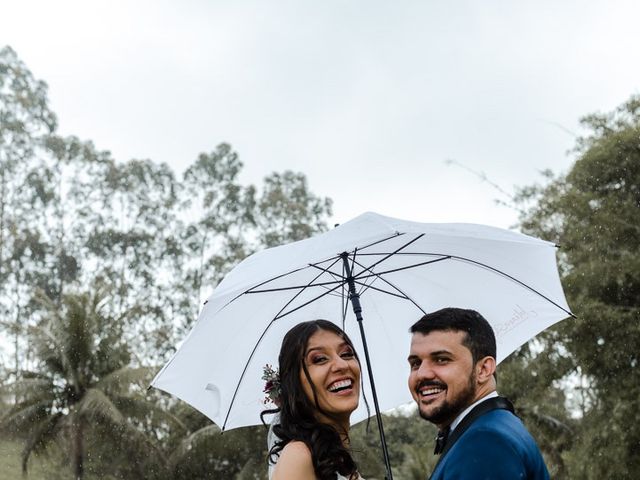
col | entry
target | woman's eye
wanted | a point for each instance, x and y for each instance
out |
(318, 359)
(347, 354)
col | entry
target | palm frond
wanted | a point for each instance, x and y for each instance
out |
(22, 416)
(192, 441)
(119, 380)
(40, 435)
(141, 408)
(27, 386)
(95, 403)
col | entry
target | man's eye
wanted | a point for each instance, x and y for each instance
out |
(414, 364)
(442, 360)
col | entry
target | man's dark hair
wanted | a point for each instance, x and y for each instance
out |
(479, 338)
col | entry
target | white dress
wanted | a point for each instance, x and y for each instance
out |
(271, 439)
(339, 477)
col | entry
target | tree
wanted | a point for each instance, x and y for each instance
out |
(593, 212)
(82, 383)
(25, 119)
(85, 239)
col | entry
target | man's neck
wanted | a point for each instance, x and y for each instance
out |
(466, 411)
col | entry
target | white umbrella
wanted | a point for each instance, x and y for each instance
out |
(399, 271)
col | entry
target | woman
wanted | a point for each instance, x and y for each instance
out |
(319, 383)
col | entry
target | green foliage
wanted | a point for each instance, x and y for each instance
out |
(78, 384)
(593, 212)
(410, 441)
(103, 267)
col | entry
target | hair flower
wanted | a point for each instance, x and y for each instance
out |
(272, 385)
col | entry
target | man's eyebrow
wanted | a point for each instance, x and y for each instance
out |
(437, 353)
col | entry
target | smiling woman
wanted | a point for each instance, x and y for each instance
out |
(319, 389)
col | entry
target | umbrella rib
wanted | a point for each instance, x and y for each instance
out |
(251, 290)
(338, 280)
(255, 347)
(403, 295)
(475, 262)
(293, 287)
(510, 277)
(396, 234)
(302, 289)
(315, 265)
(399, 269)
(381, 290)
(387, 256)
(279, 316)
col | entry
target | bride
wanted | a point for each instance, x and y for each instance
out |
(317, 390)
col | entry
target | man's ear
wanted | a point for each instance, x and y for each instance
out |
(485, 368)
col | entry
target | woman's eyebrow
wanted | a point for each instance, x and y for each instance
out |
(313, 349)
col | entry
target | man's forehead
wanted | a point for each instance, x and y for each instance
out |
(439, 340)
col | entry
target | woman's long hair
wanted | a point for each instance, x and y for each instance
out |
(297, 412)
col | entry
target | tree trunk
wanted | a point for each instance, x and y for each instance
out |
(77, 454)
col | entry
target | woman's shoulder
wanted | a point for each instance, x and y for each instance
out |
(294, 461)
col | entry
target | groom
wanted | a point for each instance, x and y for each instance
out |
(452, 379)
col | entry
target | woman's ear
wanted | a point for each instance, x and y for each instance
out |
(485, 369)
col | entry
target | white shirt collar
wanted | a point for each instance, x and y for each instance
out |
(464, 413)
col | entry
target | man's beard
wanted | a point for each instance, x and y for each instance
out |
(449, 410)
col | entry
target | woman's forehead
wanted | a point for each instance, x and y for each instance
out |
(325, 339)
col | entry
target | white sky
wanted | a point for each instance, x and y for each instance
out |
(367, 98)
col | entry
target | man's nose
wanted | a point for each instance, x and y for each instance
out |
(425, 371)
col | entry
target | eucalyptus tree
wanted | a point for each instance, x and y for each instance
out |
(227, 221)
(593, 212)
(25, 119)
(288, 211)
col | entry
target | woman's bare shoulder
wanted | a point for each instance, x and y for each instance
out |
(294, 462)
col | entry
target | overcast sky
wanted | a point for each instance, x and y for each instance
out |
(367, 98)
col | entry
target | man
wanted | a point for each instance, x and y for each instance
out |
(452, 379)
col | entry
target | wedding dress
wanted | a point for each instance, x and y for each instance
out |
(271, 439)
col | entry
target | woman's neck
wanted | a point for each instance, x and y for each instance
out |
(342, 426)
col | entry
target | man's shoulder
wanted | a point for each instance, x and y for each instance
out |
(496, 445)
(499, 420)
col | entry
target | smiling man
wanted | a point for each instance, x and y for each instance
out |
(452, 379)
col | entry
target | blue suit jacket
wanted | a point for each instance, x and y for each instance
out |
(496, 446)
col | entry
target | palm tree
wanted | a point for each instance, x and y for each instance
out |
(83, 383)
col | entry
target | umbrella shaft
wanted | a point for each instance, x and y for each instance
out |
(357, 310)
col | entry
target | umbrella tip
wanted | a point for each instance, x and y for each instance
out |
(336, 225)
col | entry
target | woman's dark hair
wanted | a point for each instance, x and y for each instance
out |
(297, 412)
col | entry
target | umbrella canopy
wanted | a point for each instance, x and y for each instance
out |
(400, 269)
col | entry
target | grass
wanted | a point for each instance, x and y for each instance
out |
(40, 467)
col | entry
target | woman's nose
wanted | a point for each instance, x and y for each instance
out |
(339, 363)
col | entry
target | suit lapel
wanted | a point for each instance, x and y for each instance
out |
(494, 403)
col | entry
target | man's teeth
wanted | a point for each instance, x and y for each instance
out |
(431, 390)
(340, 385)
